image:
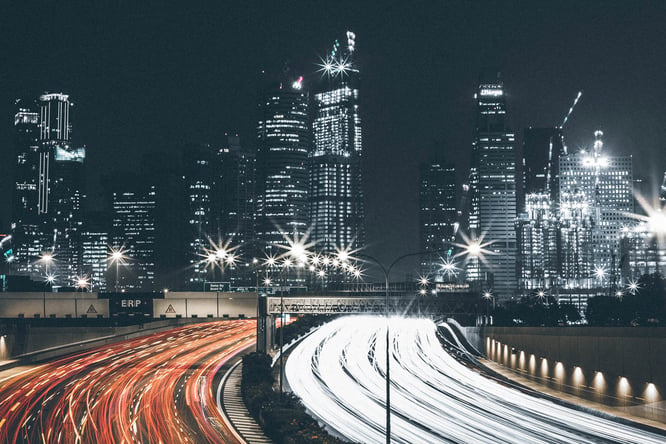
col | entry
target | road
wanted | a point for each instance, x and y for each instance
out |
(339, 370)
(154, 389)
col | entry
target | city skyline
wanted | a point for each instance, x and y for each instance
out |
(119, 111)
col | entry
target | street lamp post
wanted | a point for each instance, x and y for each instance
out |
(46, 259)
(117, 256)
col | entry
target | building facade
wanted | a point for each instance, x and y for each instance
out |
(492, 191)
(133, 230)
(335, 187)
(438, 217)
(199, 178)
(596, 203)
(283, 142)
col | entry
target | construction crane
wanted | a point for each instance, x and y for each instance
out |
(580, 93)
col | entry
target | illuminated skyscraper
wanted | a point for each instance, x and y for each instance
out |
(27, 240)
(335, 191)
(662, 191)
(283, 141)
(61, 185)
(538, 199)
(199, 171)
(595, 203)
(492, 190)
(437, 218)
(235, 207)
(134, 209)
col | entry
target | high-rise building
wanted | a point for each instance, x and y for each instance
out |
(133, 229)
(437, 218)
(335, 186)
(199, 172)
(235, 208)
(596, 203)
(27, 239)
(538, 198)
(283, 142)
(95, 249)
(492, 191)
(662, 190)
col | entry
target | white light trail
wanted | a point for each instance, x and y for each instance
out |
(338, 372)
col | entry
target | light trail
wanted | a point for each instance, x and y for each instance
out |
(147, 390)
(338, 372)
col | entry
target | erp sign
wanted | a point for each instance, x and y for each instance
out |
(131, 305)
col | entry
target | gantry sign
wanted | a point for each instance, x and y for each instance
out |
(270, 307)
(334, 305)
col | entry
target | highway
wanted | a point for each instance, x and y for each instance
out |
(154, 389)
(339, 373)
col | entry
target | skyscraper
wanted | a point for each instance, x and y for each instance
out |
(492, 190)
(199, 167)
(283, 141)
(61, 185)
(596, 201)
(662, 190)
(335, 186)
(133, 229)
(538, 199)
(27, 241)
(437, 217)
(235, 206)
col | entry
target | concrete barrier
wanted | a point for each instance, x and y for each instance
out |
(621, 367)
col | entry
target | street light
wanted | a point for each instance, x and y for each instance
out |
(117, 256)
(49, 279)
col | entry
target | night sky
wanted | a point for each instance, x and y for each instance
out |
(146, 78)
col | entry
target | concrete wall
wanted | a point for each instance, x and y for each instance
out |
(618, 366)
(204, 304)
(60, 305)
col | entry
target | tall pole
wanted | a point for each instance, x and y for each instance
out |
(388, 360)
(117, 276)
(281, 338)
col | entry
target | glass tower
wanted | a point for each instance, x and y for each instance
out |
(335, 185)
(437, 218)
(492, 190)
(283, 141)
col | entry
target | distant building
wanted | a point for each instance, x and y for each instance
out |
(335, 186)
(27, 238)
(95, 250)
(235, 206)
(283, 141)
(199, 176)
(662, 190)
(492, 191)
(538, 199)
(437, 218)
(133, 220)
(595, 205)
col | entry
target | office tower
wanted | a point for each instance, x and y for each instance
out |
(27, 240)
(662, 190)
(492, 191)
(198, 174)
(235, 207)
(95, 249)
(437, 219)
(538, 198)
(283, 141)
(335, 185)
(133, 229)
(639, 253)
(595, 204)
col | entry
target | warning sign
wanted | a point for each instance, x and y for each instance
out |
(170, 309)
(91, 309)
